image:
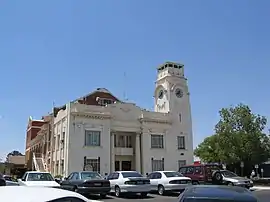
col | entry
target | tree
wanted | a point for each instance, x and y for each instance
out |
(238, 137)
(14, 153)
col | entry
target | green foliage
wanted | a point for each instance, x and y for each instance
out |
(13, 153)
(58, 176)
(2, 167)
(238, 137)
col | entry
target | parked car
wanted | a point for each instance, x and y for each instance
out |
(87, 182)
(10, 181)
(216, 193)
(39, 194)
(166, 181)
(213, 174)
(35, 178)
(131, 182)
(2, 180)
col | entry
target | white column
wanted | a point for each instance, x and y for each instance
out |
(138, 153)
(112, 159)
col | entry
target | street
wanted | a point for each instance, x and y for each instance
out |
(263, 196)
(151, 197)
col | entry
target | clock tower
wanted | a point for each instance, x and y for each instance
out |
(172, 96)
(171, 93)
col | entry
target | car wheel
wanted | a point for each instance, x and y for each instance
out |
(75, 189)
(217, 177)
(230, 184)
(144, 194)
(161, 190)
(117, 191)
(103, 196)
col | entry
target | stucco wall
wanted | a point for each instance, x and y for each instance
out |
(77, 150)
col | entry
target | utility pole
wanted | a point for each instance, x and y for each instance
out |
(125, 84)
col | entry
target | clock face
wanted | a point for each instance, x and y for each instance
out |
(179, 93)
(160, 94)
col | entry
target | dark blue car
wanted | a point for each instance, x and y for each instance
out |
(212, 193)
(7, 181)
(2, 180)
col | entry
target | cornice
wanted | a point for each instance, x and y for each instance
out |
(99, 116)
(159, 121)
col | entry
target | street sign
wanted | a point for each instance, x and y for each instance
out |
(242, 164)
(256, 166)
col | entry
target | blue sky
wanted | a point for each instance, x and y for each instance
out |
(56, 51)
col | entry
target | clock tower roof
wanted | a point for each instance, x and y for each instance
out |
(170, 64)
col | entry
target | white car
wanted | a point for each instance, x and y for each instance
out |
(162, 181)
(39, 194)
(123, 182)
(40, 179)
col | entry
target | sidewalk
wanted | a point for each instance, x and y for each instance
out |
(260, 188)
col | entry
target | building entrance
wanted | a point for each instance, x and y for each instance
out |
(117, 166)
(123, 165)
(126, 165)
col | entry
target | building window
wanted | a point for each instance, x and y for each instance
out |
(122, 141)
(104, 102)
(92, 165)
(63, 135)
(62, 167)
(181, 163)
(92, 138)
(157, 165)
(58, 142)
(180, 118)
(54, 143)
(181, 144)
(56, 168)
(63, 140)
(157, 141)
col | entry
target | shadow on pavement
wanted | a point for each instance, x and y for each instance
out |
(172, 194)
(137, 196)
(97, 197)
(169, 194)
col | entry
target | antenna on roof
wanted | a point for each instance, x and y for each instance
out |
(124, 93)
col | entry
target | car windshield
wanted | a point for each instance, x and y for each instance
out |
(227, 173)
(131, 174)
(173, 174)
(40, 177)
(90, 175)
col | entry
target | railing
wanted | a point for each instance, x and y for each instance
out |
(44, 163)
(35, 162)
(39, 163)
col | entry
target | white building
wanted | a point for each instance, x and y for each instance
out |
(101, 133)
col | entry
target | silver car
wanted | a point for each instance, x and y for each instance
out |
(231, 179)
(168, 181)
